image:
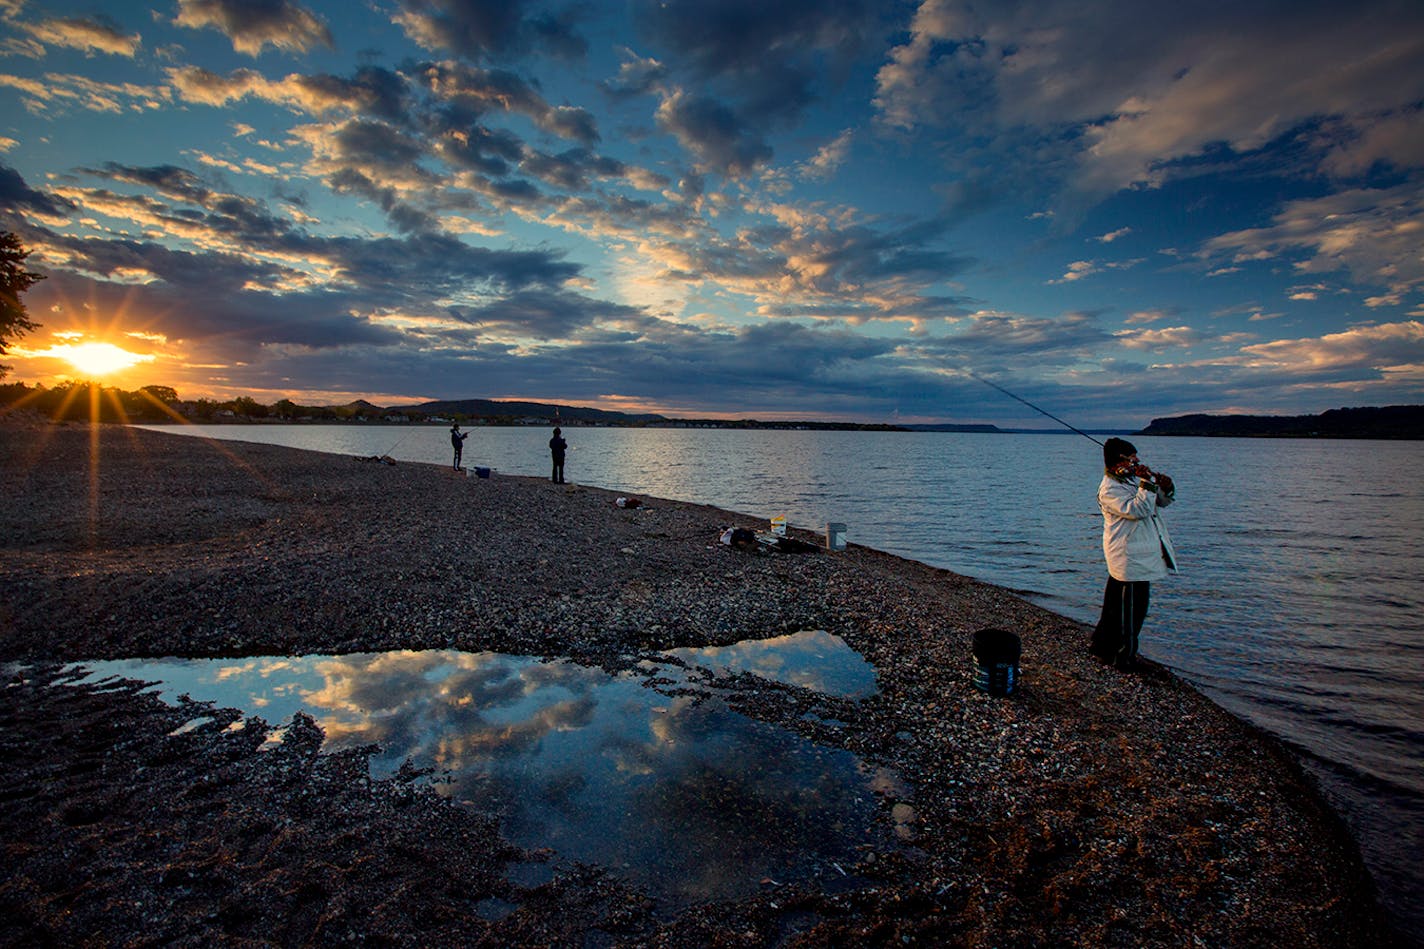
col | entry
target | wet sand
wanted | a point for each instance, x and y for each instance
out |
(1093, 807)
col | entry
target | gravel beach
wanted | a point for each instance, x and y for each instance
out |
(1093, 807)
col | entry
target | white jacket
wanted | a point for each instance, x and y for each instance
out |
(1135, 539)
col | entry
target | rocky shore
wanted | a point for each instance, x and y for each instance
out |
(1092, 808)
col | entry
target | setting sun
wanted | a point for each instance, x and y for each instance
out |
(98, 359)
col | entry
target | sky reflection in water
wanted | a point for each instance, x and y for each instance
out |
(679, 793)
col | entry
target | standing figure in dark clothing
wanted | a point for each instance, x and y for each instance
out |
(557, 447)
(457, 439)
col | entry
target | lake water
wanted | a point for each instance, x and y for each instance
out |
(1298, 606)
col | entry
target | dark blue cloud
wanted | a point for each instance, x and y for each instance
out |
(771, 57)
(715, 134)
(483, 29)
(232, 214)
(16, 196)
(543, 314)
(371, 91)
(470, 93)
(252, 25)
(1005, 339)
(571, 170)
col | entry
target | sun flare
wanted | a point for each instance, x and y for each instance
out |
(99, 359)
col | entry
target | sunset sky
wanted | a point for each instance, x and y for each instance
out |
(810, 209)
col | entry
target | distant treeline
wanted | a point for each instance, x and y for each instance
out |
(82, 401)
(1391, 421)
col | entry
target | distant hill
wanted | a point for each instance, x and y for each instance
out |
(1391, 421)
(490, 408)
(950, 427)
(359, 407)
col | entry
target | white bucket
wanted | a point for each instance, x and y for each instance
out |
(835, 535)
(778, 525)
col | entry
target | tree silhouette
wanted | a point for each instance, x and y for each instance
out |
(14, 280)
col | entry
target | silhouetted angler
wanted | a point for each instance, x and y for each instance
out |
(457, 439)
(557, 446)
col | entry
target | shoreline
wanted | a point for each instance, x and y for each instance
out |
(1092, 807)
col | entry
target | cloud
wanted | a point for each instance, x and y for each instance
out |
(771, 59)
(21, 46)
(722, 143)
(387, 154)
(1157, 339)
(1373, 67)
(828, 158)
(821, 266)
(56, 92)
(543, 314)
(96, 35)
(1374, 234)
(399, 127)
(495, 90)
(238, 236)
(748, 368)
(991, 335)
(1356, 146)
(572, 169)
(372, 91)
(489, 28)
(1111, 236)
(16, 195)
(1388, 347)
(1082, 269)
(1149, 315)
(251, 26)
(636, 76)
(229, 215)
(1078, 270)
(281, 299)
(1130, 93)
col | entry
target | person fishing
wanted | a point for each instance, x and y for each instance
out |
(457, 439)
(557, 447)
(1137, 548)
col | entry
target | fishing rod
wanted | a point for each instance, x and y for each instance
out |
(396, 445)
(1135, 468)
(1032, 406)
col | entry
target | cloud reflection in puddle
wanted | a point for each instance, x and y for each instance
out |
(679, 793)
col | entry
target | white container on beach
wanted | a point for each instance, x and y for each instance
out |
(778, 525)
(835, 535)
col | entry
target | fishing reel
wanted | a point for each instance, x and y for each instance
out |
(1155, 480)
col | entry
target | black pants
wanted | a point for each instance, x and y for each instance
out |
(558, 475)
(1124, 609)
(459, 450)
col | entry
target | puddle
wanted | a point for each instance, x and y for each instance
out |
(680, 794)
(813, 659)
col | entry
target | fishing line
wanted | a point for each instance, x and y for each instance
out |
(1032, 406)
(396, 445)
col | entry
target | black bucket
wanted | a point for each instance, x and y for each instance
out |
(996, 661)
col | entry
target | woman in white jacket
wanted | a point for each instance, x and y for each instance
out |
(1136, 545)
